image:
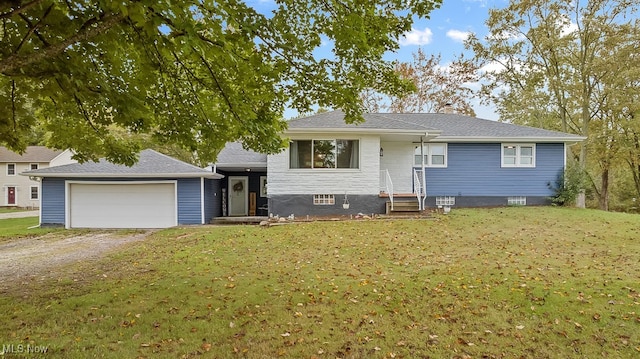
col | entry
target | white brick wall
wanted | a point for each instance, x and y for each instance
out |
(365, 180)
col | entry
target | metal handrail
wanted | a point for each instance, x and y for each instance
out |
(388, 185)
(417, 187)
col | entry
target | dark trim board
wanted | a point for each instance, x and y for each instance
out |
(302, 204)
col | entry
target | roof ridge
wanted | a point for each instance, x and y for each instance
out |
(399, 120)
(173, 159)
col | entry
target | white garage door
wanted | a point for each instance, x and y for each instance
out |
(131, 205)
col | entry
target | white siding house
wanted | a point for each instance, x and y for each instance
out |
(21, 191)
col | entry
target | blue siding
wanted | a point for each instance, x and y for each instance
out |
(189, 210)
(474, 170)
(53, 198)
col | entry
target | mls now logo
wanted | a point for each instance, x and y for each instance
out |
(23, 349)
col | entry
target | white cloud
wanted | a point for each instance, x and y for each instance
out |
(457, 35)
(417, 37)
(568, 29)
(493, 66)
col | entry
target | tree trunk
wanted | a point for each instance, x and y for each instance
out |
(604, 190)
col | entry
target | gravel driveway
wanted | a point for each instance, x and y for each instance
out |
(42, 257)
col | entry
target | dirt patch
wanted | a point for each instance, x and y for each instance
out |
(44, 257)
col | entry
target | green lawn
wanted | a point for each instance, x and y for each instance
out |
(485, 283)
(14, 228)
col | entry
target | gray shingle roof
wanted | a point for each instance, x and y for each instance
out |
(450, 126)
(234, 153)
(33, 154)
(335, 120)
(150, 164)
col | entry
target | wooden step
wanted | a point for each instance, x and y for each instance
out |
(403, 206)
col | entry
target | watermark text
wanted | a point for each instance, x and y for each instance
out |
(23, 350)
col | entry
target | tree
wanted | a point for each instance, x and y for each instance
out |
(434, 86)
(193, 73)
(548, 64)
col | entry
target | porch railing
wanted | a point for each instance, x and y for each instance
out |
(418, 188)
(387, 185)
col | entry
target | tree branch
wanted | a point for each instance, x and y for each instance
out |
(90, 29)
(13, 104)
(18, 10)
(84, 113)
(219, 86)
(33, 29)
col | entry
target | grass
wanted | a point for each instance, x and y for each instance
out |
(14, 228)
(484, 283)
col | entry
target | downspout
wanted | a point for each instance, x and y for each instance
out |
(424, 177)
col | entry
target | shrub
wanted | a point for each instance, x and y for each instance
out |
(568, 185)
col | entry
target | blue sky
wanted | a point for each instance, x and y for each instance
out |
(443, 33)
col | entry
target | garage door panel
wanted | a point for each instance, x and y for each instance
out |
(147, 205)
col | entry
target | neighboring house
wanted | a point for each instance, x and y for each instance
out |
(157, 192)
(433, 160)
(20, 191)
(244, 187)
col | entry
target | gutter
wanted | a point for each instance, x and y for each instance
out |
(125, 175)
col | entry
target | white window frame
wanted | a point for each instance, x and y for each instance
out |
(428, 153)
(445, 201)
(324, 200)
(263, 186)
(37, 193)
(15, 169)
(518, 156)
(31, 165)
(517, 201)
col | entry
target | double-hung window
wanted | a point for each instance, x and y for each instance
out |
(325, 153)
(518, 155)
(11, 169)
(34, 192)
(435, 155)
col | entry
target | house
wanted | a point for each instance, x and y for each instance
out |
(20, 191)
(157, 192)
(424, 160)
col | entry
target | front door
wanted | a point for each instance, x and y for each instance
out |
(238, 196)
(11, 196)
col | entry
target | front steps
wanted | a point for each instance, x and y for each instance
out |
(403, 203)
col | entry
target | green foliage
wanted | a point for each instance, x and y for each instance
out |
(195, 74)
(568, 185)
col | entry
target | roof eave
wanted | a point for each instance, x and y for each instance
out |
(510, 139)
(241, 164)
(125, 175)
(363, 131)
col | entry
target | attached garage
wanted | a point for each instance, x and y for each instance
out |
(157, 192)
(122, 205)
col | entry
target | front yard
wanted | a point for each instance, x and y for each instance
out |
(484, 283)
